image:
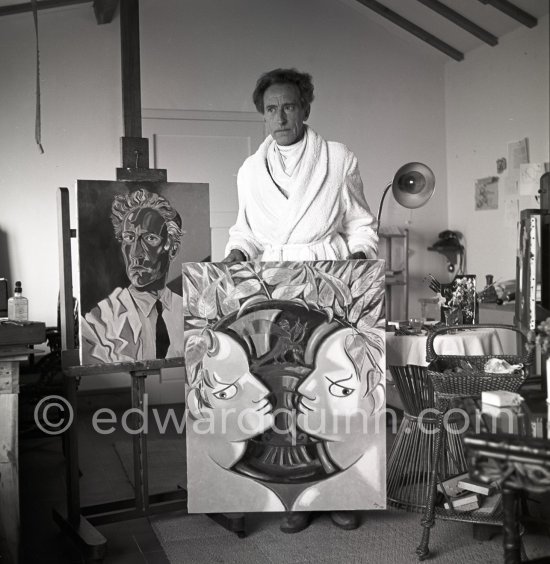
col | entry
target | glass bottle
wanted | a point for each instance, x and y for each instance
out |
(18, 305)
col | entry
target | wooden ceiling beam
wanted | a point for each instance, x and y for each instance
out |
(44, 5)
(412, 28)
(104, 10)
(461, 21)
(513, 11)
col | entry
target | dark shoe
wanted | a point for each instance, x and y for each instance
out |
(295, 521)
(347, 520)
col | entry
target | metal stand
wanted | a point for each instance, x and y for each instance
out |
(76, 521)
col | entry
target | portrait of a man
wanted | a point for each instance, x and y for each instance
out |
(131, 300)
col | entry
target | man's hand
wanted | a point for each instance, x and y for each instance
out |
(357, 255)
(235, 256)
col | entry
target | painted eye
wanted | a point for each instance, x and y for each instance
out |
(128, 237)
(153, 240)
(340, 391)
(226, 393)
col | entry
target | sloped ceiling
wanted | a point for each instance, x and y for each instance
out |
(452, 27)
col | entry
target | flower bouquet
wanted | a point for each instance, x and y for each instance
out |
(458, 300)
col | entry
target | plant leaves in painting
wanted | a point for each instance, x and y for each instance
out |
(375, 339)
(311, 295)
(338, 309)
(190, 297)
(196, 322)
(244, 289)
(243, 274)
(288, 292)
(363, 283)
(251, 301)
(375, 348)
(326, 295)
(207, 305)
(227, 305)
(356, 310)
(341, 291)
(369, 320)
(330, 313)
(278, 275)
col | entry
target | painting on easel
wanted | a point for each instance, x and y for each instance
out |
(285, 390)
(132, 239)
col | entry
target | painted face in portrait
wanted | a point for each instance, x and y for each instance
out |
(284, 114)
(336, 398)
(146, 248)
(230, 401)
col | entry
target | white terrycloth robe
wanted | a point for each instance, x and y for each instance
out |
(324, 217)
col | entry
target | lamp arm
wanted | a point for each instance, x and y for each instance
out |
(379, 215)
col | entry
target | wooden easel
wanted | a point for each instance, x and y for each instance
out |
(78, 522)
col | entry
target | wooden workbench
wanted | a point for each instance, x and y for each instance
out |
(9, 460)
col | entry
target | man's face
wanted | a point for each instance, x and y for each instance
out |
(284, 114)
(145, 248)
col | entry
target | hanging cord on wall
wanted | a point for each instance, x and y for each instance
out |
(38, 120)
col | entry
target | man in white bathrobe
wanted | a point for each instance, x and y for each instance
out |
(300, 198)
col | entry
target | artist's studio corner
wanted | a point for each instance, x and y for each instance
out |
(274, 281)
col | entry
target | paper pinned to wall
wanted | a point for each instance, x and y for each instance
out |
(511, 212)
(529, 178)
(486, 193)
(517, 153)
(510, 183)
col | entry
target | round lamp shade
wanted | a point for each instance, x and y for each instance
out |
(413, 185)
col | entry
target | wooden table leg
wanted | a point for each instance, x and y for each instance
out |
(9, 461)
(512, 539)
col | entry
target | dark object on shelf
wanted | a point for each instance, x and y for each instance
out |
(451, 248)
(3, 297)
(489, 295)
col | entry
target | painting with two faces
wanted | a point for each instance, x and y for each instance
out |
(285, 385)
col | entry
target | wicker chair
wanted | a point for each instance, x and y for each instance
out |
(450, 384)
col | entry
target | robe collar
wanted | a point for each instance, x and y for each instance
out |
(309, 179)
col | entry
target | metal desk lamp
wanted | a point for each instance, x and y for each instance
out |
(412, 186)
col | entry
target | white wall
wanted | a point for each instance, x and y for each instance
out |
(81, 127)
(381, 95)
(495, 96)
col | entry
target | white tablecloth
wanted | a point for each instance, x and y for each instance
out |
(411, 349)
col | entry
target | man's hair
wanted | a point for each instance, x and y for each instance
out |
(301, 80)
(123, 204)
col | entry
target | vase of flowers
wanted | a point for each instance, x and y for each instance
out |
(458, 300)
